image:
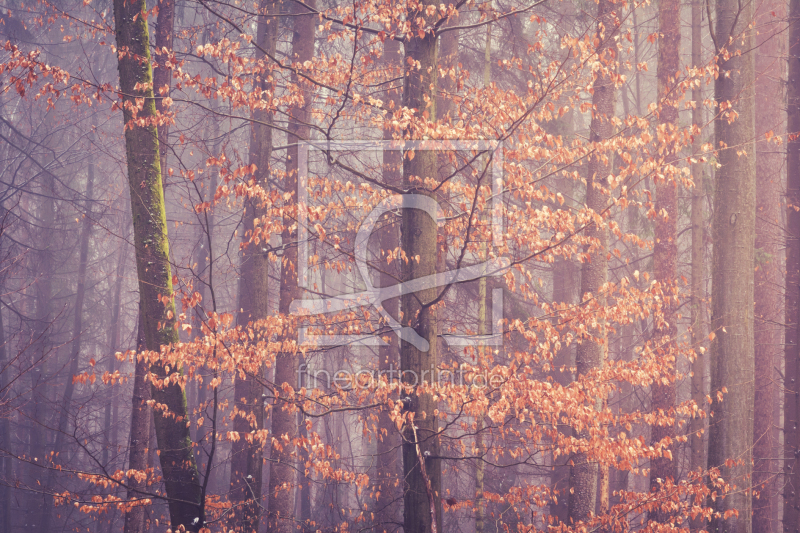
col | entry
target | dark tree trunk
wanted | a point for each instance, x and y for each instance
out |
(140, 435)
(283, 468)
(162, 74)
(419, 240)
(590, 354)
(152, 261)
(246, 456)
(791, 452)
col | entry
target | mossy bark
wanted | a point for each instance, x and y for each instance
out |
(181, 478)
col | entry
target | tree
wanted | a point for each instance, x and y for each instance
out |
(246, 460)
(791, 451)
(769, 88)
(422, 507)
(592, 351)
(732, 349)
(283, 476)
(699, 364)
(152, 263)
(665, 246)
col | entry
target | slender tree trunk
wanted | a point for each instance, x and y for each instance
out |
(5, 424)
(283, 473)
(152, 261)
(566, 282)
(421, 465)
(732, 350)
(388, 469)
(246, 456)
(665, 251)
(791, 417)
(770, 52)
(139, 443)
(697, 424)
(38, 505)
(77, 329)
(113, 346)
(590, 354)
(480, 466)
(77, 324)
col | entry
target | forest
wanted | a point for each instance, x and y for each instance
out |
(483, 266)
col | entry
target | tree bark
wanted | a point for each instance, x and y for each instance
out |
(152, 261)
(388, 472)
(770, 52)
(246, 456)
(590, 354)
(140, 434)
(283, 476)
(162, 74)
(419, 243)
(113, 347)
(699, 364)
(732, 349)
(791, 452)
(665, 250)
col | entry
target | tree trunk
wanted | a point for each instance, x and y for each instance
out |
(162, 74)
(113, 346)
(38, 504)
(590, 354)
(770, 52)
(791, 437)
(152, 261)
(140, 435)
(732, 350)
(388, 470)
(246, 457)
(697, 424)
(5, 423)
(283, 471)
(665, 250)
(418, 242)
(77, 329)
